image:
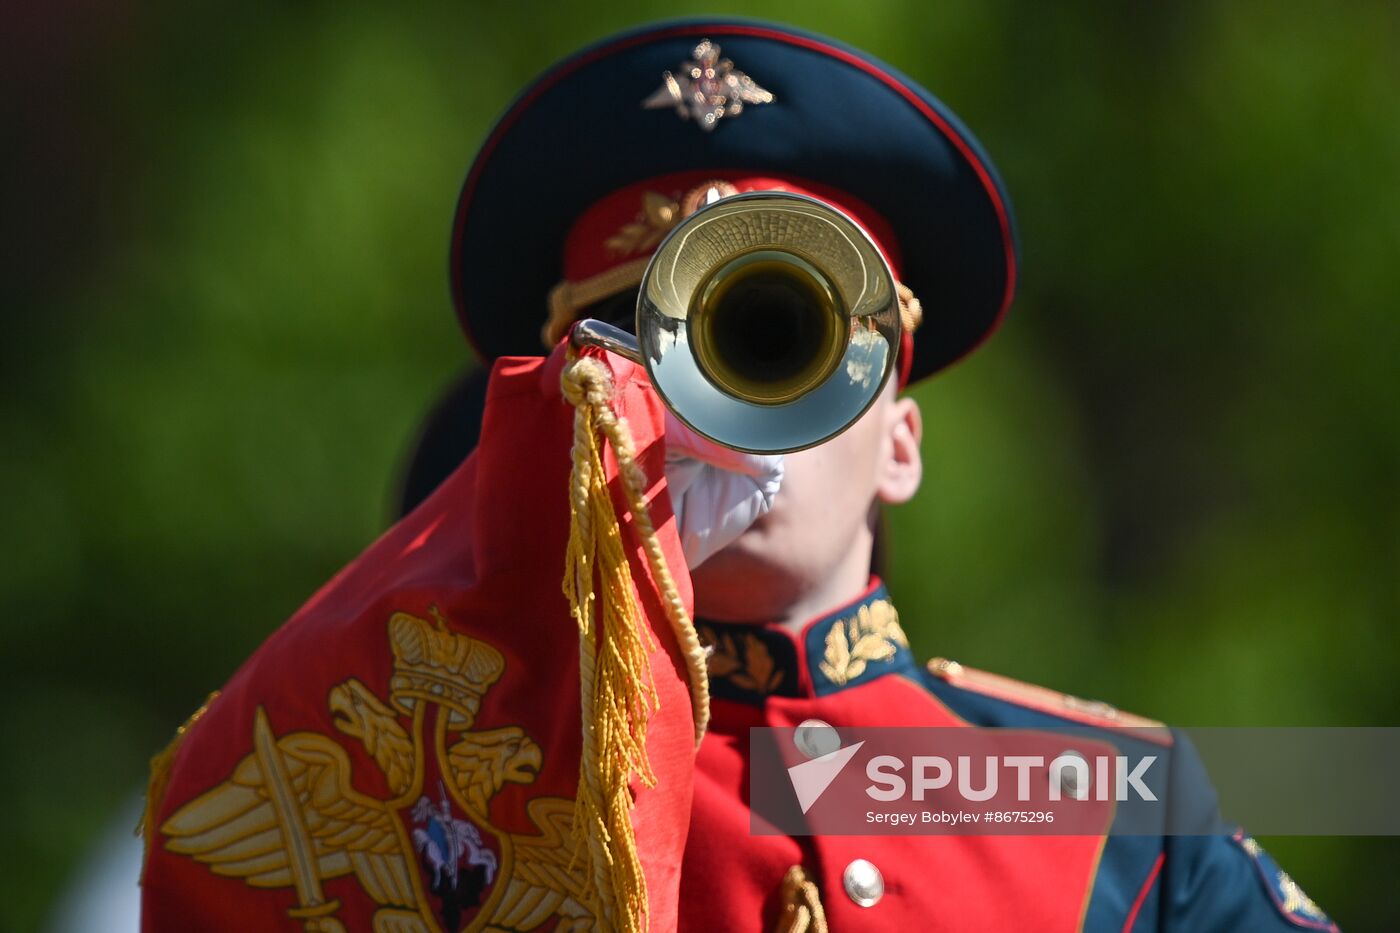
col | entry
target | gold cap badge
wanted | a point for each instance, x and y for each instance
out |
(707, 88)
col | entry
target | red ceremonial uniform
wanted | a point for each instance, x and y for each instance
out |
(442, 741)
(767, 676)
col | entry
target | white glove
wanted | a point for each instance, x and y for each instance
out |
(716, 492)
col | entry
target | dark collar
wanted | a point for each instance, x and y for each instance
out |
(855, 644)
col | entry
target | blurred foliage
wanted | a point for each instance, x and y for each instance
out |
(1173, 481)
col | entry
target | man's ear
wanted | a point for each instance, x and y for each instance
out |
(903, 466)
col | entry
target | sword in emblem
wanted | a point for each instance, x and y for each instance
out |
(313, 907)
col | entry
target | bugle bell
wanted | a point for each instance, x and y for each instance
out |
(768, 322)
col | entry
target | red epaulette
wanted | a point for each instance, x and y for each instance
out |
(1045, 700)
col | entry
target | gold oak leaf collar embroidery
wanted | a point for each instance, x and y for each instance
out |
(749, 662)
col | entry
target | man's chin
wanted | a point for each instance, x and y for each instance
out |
(746, 555)
(741, 583)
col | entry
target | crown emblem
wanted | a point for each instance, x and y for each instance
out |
(707, 88)
(440, 666)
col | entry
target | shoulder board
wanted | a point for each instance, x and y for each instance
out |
(1295, 906)
(1045, 700)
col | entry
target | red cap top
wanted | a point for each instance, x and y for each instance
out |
(619, 232)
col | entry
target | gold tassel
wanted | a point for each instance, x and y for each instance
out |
(802, 910)
(159, 780)
(617, 690)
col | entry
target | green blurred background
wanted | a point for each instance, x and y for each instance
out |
(1172, 481)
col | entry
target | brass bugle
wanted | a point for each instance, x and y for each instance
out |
(768, 322)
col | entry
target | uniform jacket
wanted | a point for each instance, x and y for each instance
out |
(765, 676)
(403, 755)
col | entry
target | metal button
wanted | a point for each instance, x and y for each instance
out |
(1069, 777)
(942, 667)
(815, 738)
(864, 883)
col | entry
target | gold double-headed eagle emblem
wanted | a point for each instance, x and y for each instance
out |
(427, 853)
